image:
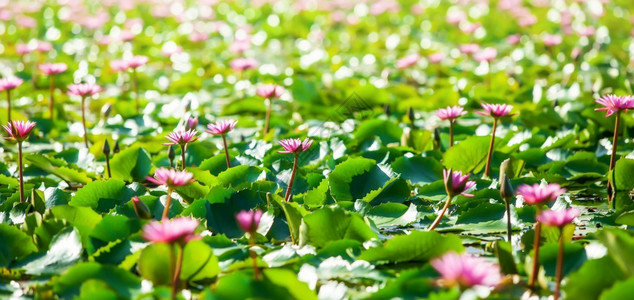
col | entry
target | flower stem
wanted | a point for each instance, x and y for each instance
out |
(51, 100)
(177, 270)
(20, 171)
(451, 133)
(487, 170)
(135, 82)
(560, 264)
(287, 196)
(83, 120)
(509, 228)
(442, 213)
(615, 138)
(269, 103)
(254, 257)
(9, 105)
(224, 144)
(108, 165)
(168, 203)
(183, 150)
(538, 231)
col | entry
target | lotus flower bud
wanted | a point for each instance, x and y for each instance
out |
(141, 210)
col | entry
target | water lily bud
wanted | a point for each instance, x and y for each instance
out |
(410, 114)
(170, 152)
(105, 110)
(140, 208)
(506, 188)
(116, 147)
(386, 110)
(106, 148)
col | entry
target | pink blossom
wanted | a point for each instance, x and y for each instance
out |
(469, 48)
(486, 54)
(455, 17)
(221, 127)
(249, 220)
(470, 27)
(559, 218)
(466, 271)
(540, 194)
(613, 104)
(119, 65)
(171, 178)
(83, 89)
(587, 31)
(435, 58)
(53, 68)
(456, 183)
(43, 46)
(407, 61)
(196, 37)
(270, 91)
(178, 230)
(552, 40)
(192, 122)
(126, 35)
(495, 110)
(171, 49)
(240, 45)
(181, 137)
(22, 49)
(9, 83)
(451, 112)
(240, 64)
(26, 22)
(295, 146)
(137, 61)
(527, 20)
(18, 131)
(513, 39)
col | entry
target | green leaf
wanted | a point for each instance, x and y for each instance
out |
(620, 247)
(574, 257)
(355, 178)
(330, 224)
(387, 131)
(199, 262)
(585, 282)
(155, 263)
(469, 155)
(416, 246)
(418, 169)
(67, 174)
(620, 290)
(237, 177)
(102, 195)
(110, 229)
(504, 252)
(131, 164)
(64, 252)
(14, 244)
(67, 286)
(393, 214)
(622, 175)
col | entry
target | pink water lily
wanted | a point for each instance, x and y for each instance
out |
(192, 123)
(451, 112)
(83, 89)
(119, 65)
(178, 230)
(613, 104)
(53, 68)
(558, 218)
(249, 220)
(181, 137)
(466, 271)
(9, 83)
(241, 64)
(18, 131)
(407, 61)
(295, 146)
(486, 54)
(456, 183)
(552, 40)
(171, 178)
(22, 49)
(537, 194)
(270, 91)
(495, 110)
(221, 127)
(43, 46)
(469, 48)
(137, 61)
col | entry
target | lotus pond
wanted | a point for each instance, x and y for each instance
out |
(340, 149)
